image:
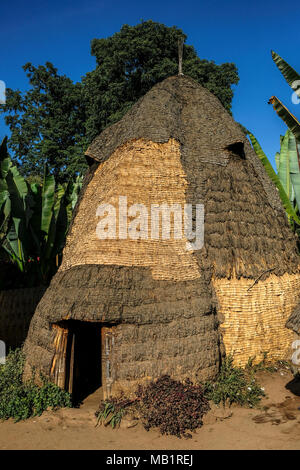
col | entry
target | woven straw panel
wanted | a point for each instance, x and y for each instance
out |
(17, 307)
(147, 173)
(254, 319)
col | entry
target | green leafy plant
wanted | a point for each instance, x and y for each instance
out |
(20, 400)
(293, 79)
(266, 365)
(176, 407)
(172, 406)
(263, 365)
(287, 180)
(112, 411)
(55, 119)
(34, 219)
(234, 385)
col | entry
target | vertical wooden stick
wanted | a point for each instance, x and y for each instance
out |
(180, 52)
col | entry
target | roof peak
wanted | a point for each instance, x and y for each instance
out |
(178, 107)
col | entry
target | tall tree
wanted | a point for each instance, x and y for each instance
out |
(56, 119)
(134, 59)
(47, 123)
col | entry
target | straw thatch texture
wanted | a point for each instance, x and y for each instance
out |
(246, 230)
(176, 145)
(162, 326)
(254, 316)
(180, 108)
(147, 173)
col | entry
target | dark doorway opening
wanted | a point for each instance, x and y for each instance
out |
(83, 359)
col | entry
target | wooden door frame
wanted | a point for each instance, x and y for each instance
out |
(62, 369)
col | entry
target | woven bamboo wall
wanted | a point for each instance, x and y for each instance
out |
(17, 307)
(147, 173)
(254, 318)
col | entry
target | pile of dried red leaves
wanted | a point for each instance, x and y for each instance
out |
(172, 406)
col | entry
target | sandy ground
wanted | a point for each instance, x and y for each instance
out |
(275, 426)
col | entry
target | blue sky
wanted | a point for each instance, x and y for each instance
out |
(242, 32)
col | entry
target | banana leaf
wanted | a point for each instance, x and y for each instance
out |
(5, 204)
(60, 194)
(48, 194)
(5, 160)
(290, 120)
(19, 240)
(277, 160)
(62, 224)
(274, 177)
(284, 166)
(34, 219)
(287, 71)
(20, 183)
(13, 246)
(294, 167)
(58, 226)
(288, 164)
(36, 197)
(77, 185)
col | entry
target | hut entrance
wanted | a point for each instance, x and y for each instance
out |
(82, 361)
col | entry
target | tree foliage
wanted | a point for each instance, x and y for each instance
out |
(34, 219)
(56, 119)
(133, 60)
(287, 180)
(293, 79)
(47, 123)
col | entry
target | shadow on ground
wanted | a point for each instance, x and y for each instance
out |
(294, 386)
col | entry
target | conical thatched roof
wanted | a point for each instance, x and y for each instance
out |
(245, 227)
(176, 144)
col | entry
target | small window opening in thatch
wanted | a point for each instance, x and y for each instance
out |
(237, 149)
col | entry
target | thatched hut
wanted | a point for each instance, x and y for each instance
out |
(293, 322)
(119, 310)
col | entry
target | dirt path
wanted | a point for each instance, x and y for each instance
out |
(275, 427)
